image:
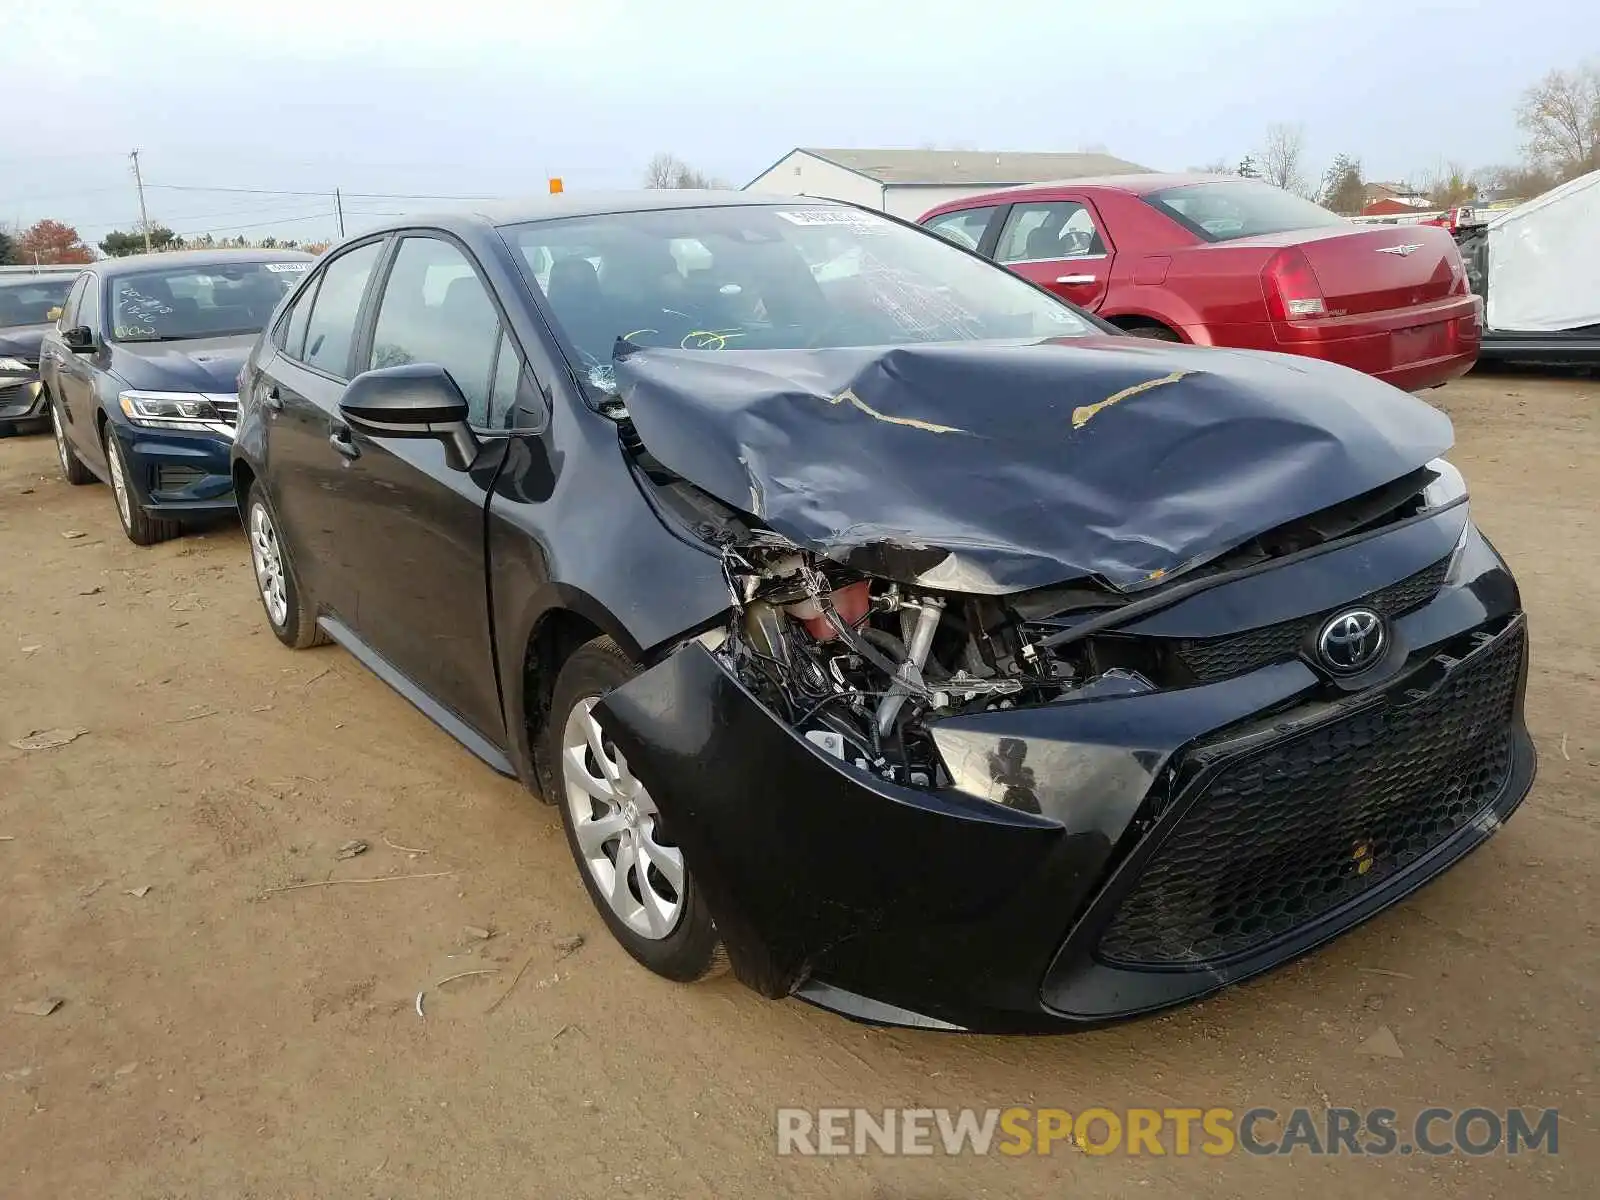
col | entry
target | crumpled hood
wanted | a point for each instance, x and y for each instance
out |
(991, 467)
(202, 365)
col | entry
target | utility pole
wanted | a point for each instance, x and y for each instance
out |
(138, 182)
(338, 208)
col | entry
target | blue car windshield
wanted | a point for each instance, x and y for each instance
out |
(773, 276)
(178, 303)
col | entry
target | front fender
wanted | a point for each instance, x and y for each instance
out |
(794, 852)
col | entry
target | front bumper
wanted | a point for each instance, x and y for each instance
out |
(1005, 902)
(178, 472)
(22, 403)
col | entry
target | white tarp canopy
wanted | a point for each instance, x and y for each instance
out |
(1544, 261)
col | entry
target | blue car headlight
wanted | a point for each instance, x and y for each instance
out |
(179, 410)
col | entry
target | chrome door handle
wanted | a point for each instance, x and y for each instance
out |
(1074, 278)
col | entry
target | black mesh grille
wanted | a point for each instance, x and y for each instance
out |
(1289, 831)
(175, 479)
(1212, 659)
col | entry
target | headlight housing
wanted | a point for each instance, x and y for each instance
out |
(14, 366)
(180, 410)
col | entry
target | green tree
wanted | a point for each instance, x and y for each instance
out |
(119, 243)
(1248, 168)
(8, 248)
(1342, 188)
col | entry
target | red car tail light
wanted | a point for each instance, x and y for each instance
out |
(1459, 284)
(1291, 287)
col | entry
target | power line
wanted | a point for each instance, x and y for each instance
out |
(181, 187)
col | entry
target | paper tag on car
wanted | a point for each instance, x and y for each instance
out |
(846, 218)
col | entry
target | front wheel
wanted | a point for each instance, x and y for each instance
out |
(634, 874)
(72, 468)
(289, 611)
(142, 529)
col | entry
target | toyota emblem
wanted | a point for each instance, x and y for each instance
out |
(1351, 641)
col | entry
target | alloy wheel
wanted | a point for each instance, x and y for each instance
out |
(119, 484)
(267, 558)
(615, 823)
(61, 439)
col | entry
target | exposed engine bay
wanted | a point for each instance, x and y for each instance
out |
(859, 665)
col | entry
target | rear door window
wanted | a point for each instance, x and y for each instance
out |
(331, 328)
(1043, 232)
(965, 228)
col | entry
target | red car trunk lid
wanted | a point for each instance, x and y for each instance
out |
(1376, 269)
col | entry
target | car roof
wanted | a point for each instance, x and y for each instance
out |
(139, 263)
(1139, 184)
(588, 204)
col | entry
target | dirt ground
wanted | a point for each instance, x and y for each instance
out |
(219, 1040)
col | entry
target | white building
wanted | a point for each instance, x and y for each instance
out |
(907, 183)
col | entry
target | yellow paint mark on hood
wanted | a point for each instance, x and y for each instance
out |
(848, 396)
(1081, 416)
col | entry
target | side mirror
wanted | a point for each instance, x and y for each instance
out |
(79, 339)
(417, 400)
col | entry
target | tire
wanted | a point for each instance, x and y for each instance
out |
(670, 930)
(72, 468)
(1154, 333)
(142, 529)
(290, 612)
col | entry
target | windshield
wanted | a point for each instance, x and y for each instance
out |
(183, 302)
(1221, 212)
(759, 277)
(30, 301)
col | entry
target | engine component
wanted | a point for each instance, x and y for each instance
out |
(908, 677)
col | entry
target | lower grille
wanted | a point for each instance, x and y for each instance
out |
(175, 479)
(1217, 658)
(1285, 833)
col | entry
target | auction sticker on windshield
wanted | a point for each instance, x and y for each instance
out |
(281, 267)
(846, 218)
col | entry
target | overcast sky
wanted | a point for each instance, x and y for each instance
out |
(492, 97)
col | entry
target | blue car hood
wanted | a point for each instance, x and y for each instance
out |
(991, 467)
(202, 365)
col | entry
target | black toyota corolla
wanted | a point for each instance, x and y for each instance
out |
(878, 623)
(140, 377)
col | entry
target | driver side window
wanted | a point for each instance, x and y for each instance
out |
(435, 309)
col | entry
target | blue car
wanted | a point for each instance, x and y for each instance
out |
(140, 375)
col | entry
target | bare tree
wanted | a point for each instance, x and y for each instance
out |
(1561, 116)
(1512, 182)
(1217, 166)
(1282, 160)
(1448, 185)
(666, 171)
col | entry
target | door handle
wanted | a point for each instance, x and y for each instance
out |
(341, 442)
(1074, 278)
(272, 400)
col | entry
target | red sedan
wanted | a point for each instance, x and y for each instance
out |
(1235, 262)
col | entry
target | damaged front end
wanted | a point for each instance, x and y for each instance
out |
(929, 805)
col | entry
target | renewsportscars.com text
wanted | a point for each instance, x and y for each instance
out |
(1473, 1132)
